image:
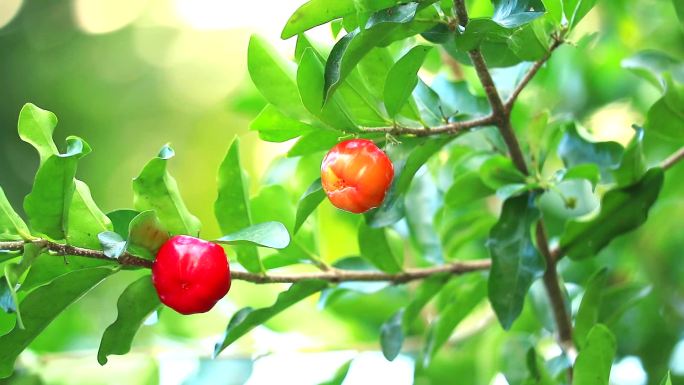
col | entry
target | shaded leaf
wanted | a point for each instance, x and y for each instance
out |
(392, 336)
(652, 65)
(403, 78)
(375, 248)
(622, 210)
(313, 196)
(41, 307)
(588, 171)
(86, 220)
(268, 234)
(574, 150)
(516, 263)
(499, 171)
(135, 304)
(155, 189)
(588, 313)
(632, 166)
(112, 244)
(121, 220)
(247, 319)
(146, 235)
(313, 142)
(232, 205)
(514, 13)
(666, 116)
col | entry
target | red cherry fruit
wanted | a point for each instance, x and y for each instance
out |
(356, 175)
(190, 274)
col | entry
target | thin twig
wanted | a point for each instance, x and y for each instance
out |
(450, 128)
(672, 159)
(331, 275)
(508, 106)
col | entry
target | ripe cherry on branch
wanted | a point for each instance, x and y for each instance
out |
(190, 274)
(356, 175)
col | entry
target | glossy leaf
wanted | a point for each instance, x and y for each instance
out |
(403, 78)
(514, 13)
(622, 210)
(376, 249)
(516, 263)
(392, 336)
(632, 166)
(47, 205)
(274, 77)
(232, 205)
(351, 48)
(113, 245)
(313, 142)
(12, 227)
(155, 189)
(574, 150)
(45, 268)
(588, 313)
(41, 307)
(274, 126)
(667, 380)
(247, 319)
(121, 220)
(135, 304)
(588, 171)
(86, 220)
(268, 234)
(466, 188)
(36, 127)
(313, 196)
(594, 361)
(575, 10)
(653, 66)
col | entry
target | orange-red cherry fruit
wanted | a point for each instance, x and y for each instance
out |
(356, 175)
(190, 274)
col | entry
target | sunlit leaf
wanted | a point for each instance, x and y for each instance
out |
(155, 189)
(403, 78)
(313, 196)
(514, 13)
(12, 227)
(594, 361)
(268, 234)
(86, 220)
(274, 126)
(36, 127)
(375, 248)
(146, 235)
(666, 116)
(232, 205)
(652, 65)
(588, 313)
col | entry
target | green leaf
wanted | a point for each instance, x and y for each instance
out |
(313, 196)
(403, 78)
(36, 127)
(499, 171)
(46, 268)
(538, 374)
(622, 210)
(407, 157)
(393, 330)
(274, 126)
(593, 363)
(86, 220)
(666, 116)
(135, 304)
(514, 13)
(471, 291)
(516, 263)
(554, 8)
(392, 336)
(268, 234)
(376, 249)
(232, 205)
(12, 274)
(112, 244)
(313, 142)
(531, 42)
(588, 171)
(121, 219)
(274, 77)
(340, 375)
(314, 13)
(41, 307)
(633, 163)
(667, 380)
(351, 48)
(569, 199)
(466, 188)
(310, 82)
(47, 205)
(574, 150)
(575, 10)
(588, 313)
(679, 8)
(12, 227)
(155, 189)
(247, 319)
(653, 66)
(146, 235)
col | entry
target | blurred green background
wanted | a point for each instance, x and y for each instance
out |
(129, 76)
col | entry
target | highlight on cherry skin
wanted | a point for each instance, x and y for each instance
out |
(356, 175)
(190, 274)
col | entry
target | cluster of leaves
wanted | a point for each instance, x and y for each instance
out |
(453, 197)
(38, 285)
